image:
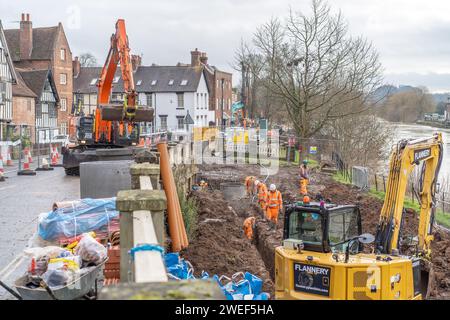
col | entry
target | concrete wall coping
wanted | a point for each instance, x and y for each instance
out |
(144, 169)
(134, 200)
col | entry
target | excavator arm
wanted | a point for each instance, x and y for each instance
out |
(405, 156)
(119, 54)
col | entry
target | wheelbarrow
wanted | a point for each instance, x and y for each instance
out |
(84, 286)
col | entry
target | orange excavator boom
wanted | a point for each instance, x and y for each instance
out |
(119, 54)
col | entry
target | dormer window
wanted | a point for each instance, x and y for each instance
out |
(154, 82)
(170, 82)
(116, 79)
(139, 82)
(183, 82)
(93, 81)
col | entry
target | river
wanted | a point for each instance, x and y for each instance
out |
(414, 131)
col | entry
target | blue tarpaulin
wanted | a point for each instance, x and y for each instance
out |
(83, 216)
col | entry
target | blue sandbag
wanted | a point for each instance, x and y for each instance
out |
(177, 267)
(86, 215)
(255, 283)
(242, 287)
(171, 259)
(263, 296)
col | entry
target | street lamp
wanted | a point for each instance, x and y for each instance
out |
(221, 107)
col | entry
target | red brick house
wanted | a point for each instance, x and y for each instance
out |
(220, 86)
(45, 48)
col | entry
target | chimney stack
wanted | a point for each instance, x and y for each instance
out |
(195, 58)
(25, 37)
(136, 61)
(204, 58)
(76, 66)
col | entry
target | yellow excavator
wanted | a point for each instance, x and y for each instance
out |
(323, 256)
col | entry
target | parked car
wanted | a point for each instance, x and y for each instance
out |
(62, 139)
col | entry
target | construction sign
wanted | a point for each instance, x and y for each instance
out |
(312, 149)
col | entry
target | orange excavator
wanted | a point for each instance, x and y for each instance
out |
(113, 132)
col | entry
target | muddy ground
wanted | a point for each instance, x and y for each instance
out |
(219, 245)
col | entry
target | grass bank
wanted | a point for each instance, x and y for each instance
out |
(441, 218)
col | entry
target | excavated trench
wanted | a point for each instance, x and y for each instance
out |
(219, 245)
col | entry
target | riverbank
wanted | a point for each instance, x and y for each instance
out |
(433, 124)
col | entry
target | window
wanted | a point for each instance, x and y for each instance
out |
(306, 226)
(198, 101)
(154, 82)
(183, 82)
(180, 123)
(29, 105)
(63, 54)
(116, 79)
(343, 226)
(149, 99)
(163, 120)
(180, 98)
(170, 82)
(63, 78)
(63, 128)
(93, 81)
(63, 104)
(139, 82)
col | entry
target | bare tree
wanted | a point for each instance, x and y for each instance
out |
(361, 139)
(316, 69)
(88, 60)
(408, 106)
(250, 64)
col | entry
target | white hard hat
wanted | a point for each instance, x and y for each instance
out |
(272, 187)
(256, 182)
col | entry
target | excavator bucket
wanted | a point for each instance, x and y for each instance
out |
(115, 112)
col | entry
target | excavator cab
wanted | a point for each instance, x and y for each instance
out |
(323, 228)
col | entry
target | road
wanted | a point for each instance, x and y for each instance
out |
(22, 199)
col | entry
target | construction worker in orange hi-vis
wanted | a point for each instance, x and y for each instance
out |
(249, 225)
(261, 189)
(249, 185)
(274, 205)
(304, 178)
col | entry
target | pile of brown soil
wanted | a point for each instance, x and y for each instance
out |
(439, 287)
(219, 245)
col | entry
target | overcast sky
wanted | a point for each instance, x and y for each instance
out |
(410, 35)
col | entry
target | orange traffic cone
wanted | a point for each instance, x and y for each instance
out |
(2, 178)
(30, 157)
(26, 170)
(9, 162)
(56, 152)
(26, 164)
(45, 166)
(54, 159)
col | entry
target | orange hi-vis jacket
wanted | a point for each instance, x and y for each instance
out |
(249, 180)
(248, 227)
(274, 200)
(249, 183)
(262, 192)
